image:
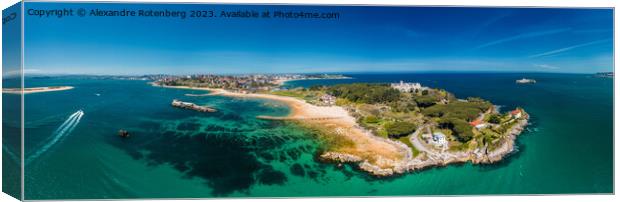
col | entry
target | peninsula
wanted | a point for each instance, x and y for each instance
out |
(385, 129)
(36, 89)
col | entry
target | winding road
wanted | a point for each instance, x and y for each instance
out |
(415, 141)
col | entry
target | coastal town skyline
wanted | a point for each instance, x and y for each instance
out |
(410, 39)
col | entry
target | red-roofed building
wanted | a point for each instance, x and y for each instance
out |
(516, 113)
(475, 122)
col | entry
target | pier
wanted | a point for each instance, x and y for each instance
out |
(192, 106)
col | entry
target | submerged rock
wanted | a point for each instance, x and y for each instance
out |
(123, 133)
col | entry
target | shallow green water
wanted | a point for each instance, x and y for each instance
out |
(174, 153)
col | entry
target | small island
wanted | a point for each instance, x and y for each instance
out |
(383, 128)
(36, 89)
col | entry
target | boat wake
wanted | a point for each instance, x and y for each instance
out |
(12, 156)
(63, 130)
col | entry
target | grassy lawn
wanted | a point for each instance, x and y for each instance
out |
(304, 95)
(496, 143)
(289, 94)
(406, 141)
(457, 146)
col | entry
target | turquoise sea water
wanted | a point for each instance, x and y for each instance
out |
(175, 153)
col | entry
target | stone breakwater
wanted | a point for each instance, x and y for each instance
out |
(192, 106)
(427, 160)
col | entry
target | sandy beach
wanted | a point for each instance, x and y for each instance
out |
(378, 152)
(36, 89)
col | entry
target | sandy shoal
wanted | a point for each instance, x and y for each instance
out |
(36, 89)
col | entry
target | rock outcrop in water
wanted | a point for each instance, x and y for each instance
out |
(123, 133)
(343, 158)
(192, 106)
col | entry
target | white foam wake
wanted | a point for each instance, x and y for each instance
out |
(63, 130)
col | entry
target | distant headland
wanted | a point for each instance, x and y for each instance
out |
(383, 128)
(604, 74)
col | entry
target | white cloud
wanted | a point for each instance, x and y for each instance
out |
(522, 36)
(546, 66)
(556, 51)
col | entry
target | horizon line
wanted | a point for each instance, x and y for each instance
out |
(327, 72)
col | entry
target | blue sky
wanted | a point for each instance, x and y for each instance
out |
(11, 44)
(363, 39)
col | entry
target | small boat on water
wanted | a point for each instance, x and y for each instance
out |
(524, 81)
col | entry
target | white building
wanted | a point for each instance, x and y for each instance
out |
(436, 139)
(328, 99)
(481, 126)
(408, 87)
(439, 139)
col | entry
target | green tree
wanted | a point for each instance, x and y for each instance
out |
(425, 101)
(494, 118)
(463, 131)
(466, 111)
(460, 128)
(365, 93)
(399, 129)
(475, 99)
(316, 87)
(371, 119)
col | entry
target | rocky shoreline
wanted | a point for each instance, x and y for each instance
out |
(410, 163)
